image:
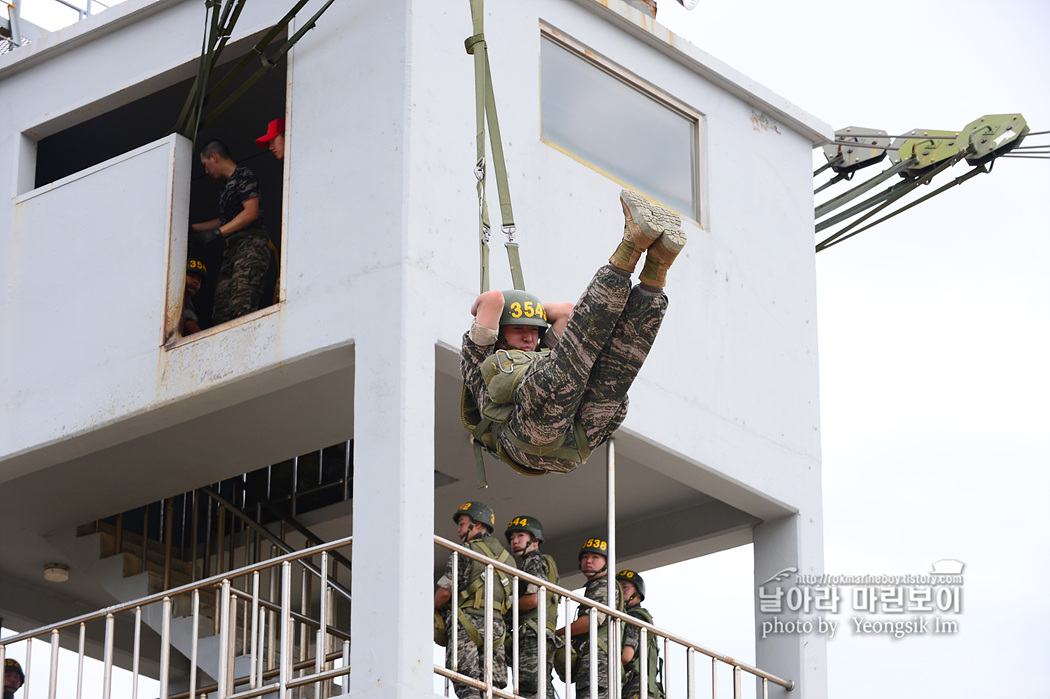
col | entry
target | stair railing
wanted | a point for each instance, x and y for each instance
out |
(670, 644)
(323, 647)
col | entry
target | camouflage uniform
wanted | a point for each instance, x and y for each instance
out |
(597, 590)
(239, 289)
(585, 378)
(469, 656)
(632, 636)
(534, 563)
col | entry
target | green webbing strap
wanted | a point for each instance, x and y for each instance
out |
(485, 102)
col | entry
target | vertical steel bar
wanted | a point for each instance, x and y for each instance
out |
(642, 653)
(765, 688)
(612, 637)
(295, 485)
(193, 536)
(489, 574)
(541, 641)
(194, 637)
(738, 690)
(253, 678)
(220, 546)
(304, 609)
(231, 650)
(515, 648)
(53, 679)
(205, 573)
(346, 664)
(165, 647)
(286, 632)
(322, 632)
(690, 674)
(592, 651)
(271, 652)
(80, 660)
(29, 664)
(346, 470)
(453, 617)
(169, 535)
(714, 678)
(223, 614)
(568, 654)
(107, 659)
(259, 668)
(136, 653)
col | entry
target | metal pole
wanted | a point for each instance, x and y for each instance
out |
(515, 649)
(107, 663)
(489, 573)
(165, 647)
(541, 641)
(137, 653)
(80, 660)
(53, 680)
(611, 624)
(223, 613)
(285, 659)
(194, 636)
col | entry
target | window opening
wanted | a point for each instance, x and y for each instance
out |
(610, 120)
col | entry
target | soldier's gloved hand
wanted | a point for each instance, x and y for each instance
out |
(206, 237)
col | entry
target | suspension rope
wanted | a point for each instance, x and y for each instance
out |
(485, 102)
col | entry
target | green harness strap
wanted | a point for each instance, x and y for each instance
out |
(654, 672)
(485, 101)
(531, 617)
(476, 590)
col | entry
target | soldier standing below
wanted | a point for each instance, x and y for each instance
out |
(14, 678)
(239, 289)
(196, 272)
(474, 525)
(524, 535)
(634, 594)
(594, 565)
(546, 411)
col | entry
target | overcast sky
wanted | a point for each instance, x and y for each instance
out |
(934, 336)
(934, 333)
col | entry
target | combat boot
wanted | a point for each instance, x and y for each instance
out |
(659, 256)
(644, 223)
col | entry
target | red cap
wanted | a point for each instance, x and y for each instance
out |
(275, 129)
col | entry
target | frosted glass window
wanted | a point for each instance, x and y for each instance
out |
(618, 129)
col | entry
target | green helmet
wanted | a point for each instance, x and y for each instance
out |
(522, 308)
(477, 511)
(195, 265)
(11, 665)
(525, 523)
(633, 578)
(595, 545)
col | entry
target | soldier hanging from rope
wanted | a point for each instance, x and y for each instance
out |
(544, 409)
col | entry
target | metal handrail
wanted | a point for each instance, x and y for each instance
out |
(610, 611)
(182, 589)
(274, 539)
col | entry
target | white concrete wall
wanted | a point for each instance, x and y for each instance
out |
(381, 251)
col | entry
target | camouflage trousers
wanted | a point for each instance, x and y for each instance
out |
(529, 665)
(587, 374)
(470, 658)
(583, 674)
(239, 289)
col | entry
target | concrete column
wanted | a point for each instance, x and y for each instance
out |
(392, 613)
(781, 544)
